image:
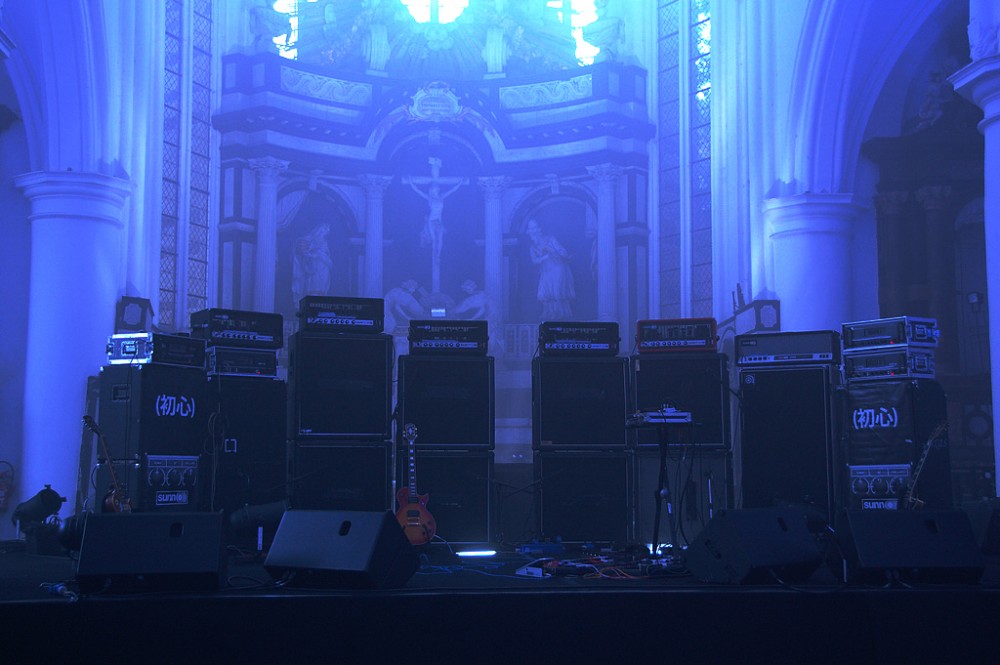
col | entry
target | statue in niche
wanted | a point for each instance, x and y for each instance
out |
(434, 230)
(266, 23)
(555, 276)
(607, 33)
(312, 265)
(401, 305)
(477, 304)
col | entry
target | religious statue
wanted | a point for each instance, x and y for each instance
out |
(266, 23)
(312, 265)
(401, 305)
(433, 231)
(478, 305)
(555, 277)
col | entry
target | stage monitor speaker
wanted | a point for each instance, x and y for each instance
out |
(460, 488)
(151, 552)
(700, 484)
(340, 386)
(152, 409)
(584, 496)
(449, 399)
(930, 546)
(754, 546)
(341, 549)
(890, 422)
(787, 435)
(578, 402)
(338, 475)
(984, 515)
(250, 419)
(694, 382)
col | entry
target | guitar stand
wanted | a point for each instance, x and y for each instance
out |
(663, 494)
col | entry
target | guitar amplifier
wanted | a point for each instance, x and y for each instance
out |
(230, 327)
(341, 314)
(896, 362)
(449, 337)
(570, 338)
(788, 348)
(659, 335)
(893, 331)
(230, 361)
(877, 487)
(149, 347)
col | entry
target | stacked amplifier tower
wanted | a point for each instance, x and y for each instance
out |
(151, 423)
(246, 453)
(895, 416)
(340, 405)
(677, 369)
(446, 392)
(582, 466)
(787, 388)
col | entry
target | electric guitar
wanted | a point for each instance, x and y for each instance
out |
(413, 516)
(910, 500)
(116, 500)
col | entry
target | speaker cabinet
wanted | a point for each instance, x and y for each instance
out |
(984, 516)
(250, 446)
(151, 552)
(754, 546)
(337, 475)
(154, 409)
(584, 496)
(341, 549)
(890, 423)
(460, 488)
(694, 382)
(578, 401)
(449, 399)
(786, 447)
(933, 546)
(700, 484)
(340, 386)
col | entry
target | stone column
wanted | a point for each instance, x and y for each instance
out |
(606, 176)
(374, 186)
(77, 238)
(810, 236)
(940, 280)
(268, 171)
(891, 296)
(493, 188)
(980, 82)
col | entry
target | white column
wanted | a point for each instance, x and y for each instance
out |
(493, 188)
(77, 236)
(269, 172)
(980, 82)
(810, 236)
(374, 186)
(606, 176)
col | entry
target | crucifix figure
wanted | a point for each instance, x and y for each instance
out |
(433, 231)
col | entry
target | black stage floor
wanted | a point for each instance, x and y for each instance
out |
(611, 610)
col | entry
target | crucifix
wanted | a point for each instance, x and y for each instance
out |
(435, 195)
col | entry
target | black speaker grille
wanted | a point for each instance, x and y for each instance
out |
(583, 497)
(450, 400)
(579, 401)
(340, 385)
(697, 383)
(341, 476)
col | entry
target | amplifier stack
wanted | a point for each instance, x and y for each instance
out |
(895, 418)
(340, 405)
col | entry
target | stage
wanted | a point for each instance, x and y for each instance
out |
(602, 607)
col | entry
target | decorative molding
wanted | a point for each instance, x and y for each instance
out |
(324, 87)
(549, 92)
(890, 204)
(494, 186)
(984, 40)
(268, 167)
(605, 173)
(374, 184)
(933, 197)
(435, 102)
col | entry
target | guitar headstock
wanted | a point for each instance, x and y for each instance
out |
(91, 426)
(410, 432)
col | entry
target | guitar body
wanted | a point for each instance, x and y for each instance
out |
(417, 522)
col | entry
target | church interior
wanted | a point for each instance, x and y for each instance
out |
(444, 329)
